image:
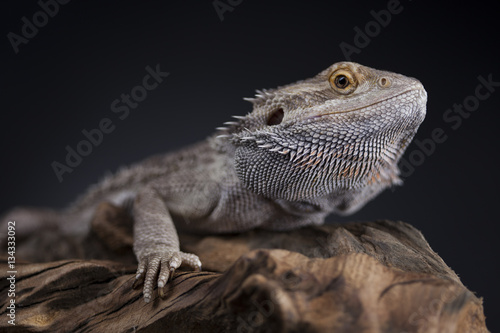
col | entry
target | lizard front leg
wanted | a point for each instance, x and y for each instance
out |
(156, 244)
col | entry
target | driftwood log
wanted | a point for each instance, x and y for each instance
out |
(360, 277)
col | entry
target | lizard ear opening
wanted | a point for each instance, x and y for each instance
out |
(276, 117)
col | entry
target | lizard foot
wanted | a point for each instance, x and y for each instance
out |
(162, 264)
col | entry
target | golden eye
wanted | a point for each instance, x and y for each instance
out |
(343, 82)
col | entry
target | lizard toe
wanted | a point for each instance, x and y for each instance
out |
(152, 263)
(191, 260)
(168, 266)
(159, 267)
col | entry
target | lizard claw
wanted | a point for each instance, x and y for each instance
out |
(160, 267)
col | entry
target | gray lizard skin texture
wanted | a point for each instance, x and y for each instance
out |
(327, 144)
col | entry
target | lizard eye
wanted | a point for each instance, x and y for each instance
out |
(343, 82)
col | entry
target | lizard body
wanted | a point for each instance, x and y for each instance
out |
(326, 144)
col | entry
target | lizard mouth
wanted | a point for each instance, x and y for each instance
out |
(369, 105)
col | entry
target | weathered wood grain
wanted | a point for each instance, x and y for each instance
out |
(360, 277)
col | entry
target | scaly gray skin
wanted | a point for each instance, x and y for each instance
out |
(326, 144)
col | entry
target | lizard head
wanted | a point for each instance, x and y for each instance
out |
(342, 131)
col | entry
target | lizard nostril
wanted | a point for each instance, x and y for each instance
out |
(384, 82)
(276, 117)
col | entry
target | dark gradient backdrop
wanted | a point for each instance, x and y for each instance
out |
(64, 79)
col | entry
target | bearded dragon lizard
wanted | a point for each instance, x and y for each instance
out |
(326, 144)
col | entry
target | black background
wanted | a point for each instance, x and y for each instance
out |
(65, 78)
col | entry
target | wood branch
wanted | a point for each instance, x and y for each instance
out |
(359, 277)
